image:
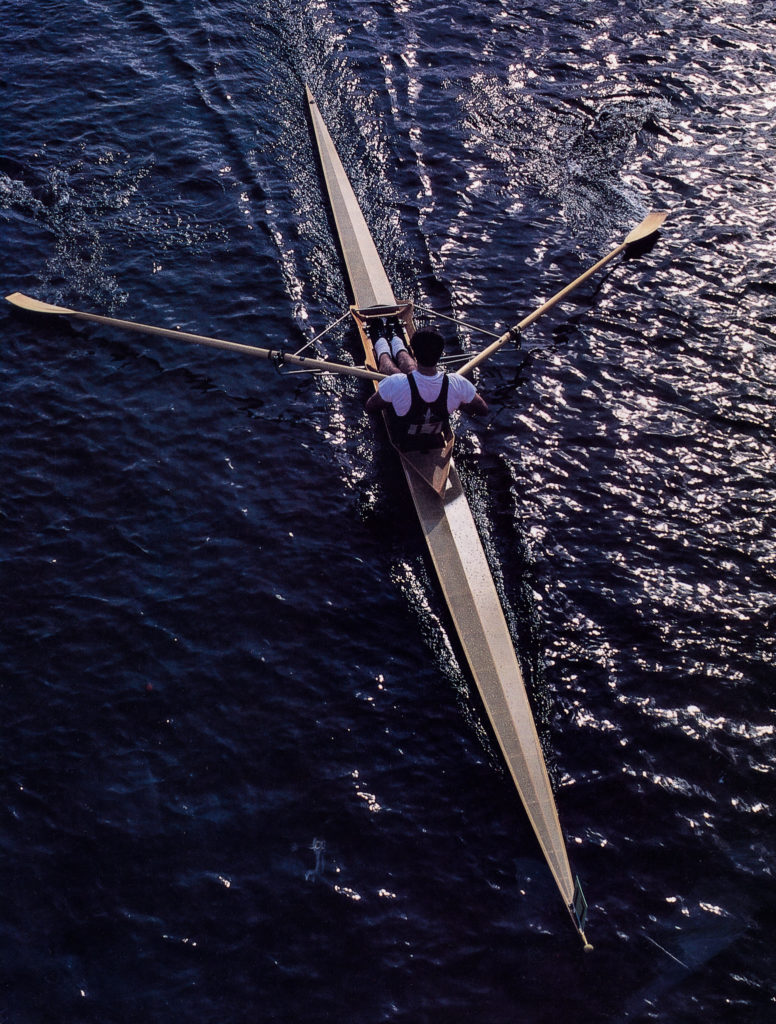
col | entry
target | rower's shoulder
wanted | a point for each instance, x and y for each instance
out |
(394, 380)
(459, 380)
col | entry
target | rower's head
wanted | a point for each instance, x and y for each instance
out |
(428, 346)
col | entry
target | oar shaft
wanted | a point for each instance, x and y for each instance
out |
(558, 297)
(275, 355)
(647, 227)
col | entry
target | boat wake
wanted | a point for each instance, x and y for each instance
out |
(93, 209)
(576, 157)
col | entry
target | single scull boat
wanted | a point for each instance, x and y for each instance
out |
(454, 544)
(442, 508)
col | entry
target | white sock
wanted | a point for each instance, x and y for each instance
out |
(382, 348)
(397, 344)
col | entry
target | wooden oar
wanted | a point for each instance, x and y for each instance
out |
(277, 356)
(648, 227)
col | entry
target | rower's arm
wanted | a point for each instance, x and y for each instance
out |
(477, 407)
(375, 403)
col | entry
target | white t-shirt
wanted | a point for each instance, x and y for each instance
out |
(396, 390)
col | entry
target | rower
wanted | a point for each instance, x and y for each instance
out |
(421, 396)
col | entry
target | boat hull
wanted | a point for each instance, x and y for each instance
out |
(473, 602)
(454, 545)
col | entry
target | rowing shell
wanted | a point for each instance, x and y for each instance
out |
(454, 544)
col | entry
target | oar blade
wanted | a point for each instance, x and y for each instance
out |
(277, 356)
(648, 227)
(34, 305)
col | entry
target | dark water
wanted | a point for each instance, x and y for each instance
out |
(244, 777)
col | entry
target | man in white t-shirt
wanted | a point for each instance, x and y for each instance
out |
(421, 396)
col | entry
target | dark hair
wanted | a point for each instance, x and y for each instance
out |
(428, 346)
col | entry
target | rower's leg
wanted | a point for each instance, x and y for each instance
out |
(403, 359)
(405, 362)
(385, 360)
(386, 365)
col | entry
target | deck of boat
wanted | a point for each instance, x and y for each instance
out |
(472, 599)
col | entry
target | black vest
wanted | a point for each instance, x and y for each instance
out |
(426, 424)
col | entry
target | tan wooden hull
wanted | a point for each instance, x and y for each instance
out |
(454, 544)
